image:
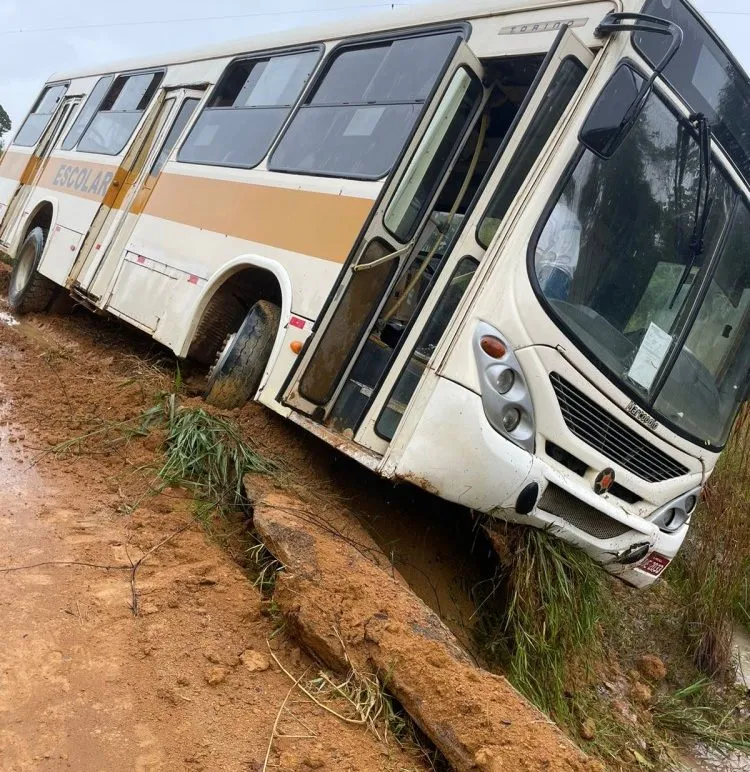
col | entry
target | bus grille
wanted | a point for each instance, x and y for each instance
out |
(615, 440)
(561, 504)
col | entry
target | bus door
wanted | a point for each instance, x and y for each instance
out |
(99, 275)
(132, 183)
(31, 175)
(394, 302)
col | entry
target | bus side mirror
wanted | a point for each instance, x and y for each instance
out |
(614, 112)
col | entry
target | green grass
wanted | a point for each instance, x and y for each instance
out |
(712, 571)
(208, 454)
(700, 715)
(547, 623)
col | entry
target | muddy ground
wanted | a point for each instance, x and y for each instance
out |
(189, 682)
(85, 684)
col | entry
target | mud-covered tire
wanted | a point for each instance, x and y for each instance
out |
(223, 315)
(237, 374)
(29, 291)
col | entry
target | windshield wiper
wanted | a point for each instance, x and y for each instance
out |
(703, 201)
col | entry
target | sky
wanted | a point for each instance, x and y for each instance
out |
(39, 37)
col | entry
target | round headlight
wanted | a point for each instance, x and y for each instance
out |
(505, 381)
(511, 419)
(691, 502)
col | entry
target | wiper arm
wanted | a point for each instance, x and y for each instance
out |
(703, 201)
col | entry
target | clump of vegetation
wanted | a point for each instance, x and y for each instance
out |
(208, 453)
(554, 600)
(696, 713)
(548, 622)
(712, 570)
(266, 567)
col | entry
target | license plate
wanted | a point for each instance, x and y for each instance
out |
(654, 564)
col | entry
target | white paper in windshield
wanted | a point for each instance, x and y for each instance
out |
(651, 354)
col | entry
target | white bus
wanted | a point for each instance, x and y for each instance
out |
(498, 249)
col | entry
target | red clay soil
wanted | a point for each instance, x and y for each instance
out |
(85, 684)
(351, 612)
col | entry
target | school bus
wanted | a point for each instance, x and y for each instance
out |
(497, 249)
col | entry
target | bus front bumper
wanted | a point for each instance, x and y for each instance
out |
(455, 453)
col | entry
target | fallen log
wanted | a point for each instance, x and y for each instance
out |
(352, 613)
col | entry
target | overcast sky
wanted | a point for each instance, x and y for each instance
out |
(39, 37)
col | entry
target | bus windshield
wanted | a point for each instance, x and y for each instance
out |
(705, 75)
(613, 263)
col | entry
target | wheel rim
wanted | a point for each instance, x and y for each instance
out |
(221, 357)
(23, 268)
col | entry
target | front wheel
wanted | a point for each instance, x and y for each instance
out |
(241, 362)
(29, 291)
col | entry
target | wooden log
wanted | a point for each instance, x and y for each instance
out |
(351, 612)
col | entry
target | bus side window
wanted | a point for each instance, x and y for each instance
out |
(247, 110)
(186, 110)
(33, 127)
(87, 112)
(119, 113)
(362, 111)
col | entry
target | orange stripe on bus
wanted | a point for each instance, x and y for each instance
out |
(323, 225)
(13, 165)
(87, 180)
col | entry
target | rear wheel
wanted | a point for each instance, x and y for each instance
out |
(241, 362)
(29, 291)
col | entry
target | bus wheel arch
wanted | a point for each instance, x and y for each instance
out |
(42, 217)
(28, 290)
(226, 300)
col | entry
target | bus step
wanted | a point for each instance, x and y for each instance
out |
(82, 297)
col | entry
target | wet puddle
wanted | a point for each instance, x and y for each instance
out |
(708, 760)
(704, 759)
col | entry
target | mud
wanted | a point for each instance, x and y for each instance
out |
(352, 613)
(84, 683)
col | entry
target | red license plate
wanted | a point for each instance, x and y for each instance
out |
(654, 564)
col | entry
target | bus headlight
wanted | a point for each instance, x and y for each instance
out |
(671, 517)
(505, 381)
(511, 419)
(505, 396)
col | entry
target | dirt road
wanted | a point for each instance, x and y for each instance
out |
(84, 684)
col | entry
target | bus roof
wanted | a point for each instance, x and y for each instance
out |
(399, 18)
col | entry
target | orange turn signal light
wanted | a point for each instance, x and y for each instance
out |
(493, 346)
(296, 346)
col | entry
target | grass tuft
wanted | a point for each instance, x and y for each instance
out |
(208, 454)
(696, 714)
(265, 568)
(554, 603)
(711, 572)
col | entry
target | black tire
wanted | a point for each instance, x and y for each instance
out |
(223, 315)
(30, 292)
(237, 374)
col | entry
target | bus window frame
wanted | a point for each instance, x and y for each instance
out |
(722, 46)
(506, 141)
(247, 57)
(463, 34)
(45, 87)
(127, 74)
(84, 103)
